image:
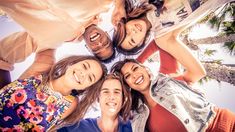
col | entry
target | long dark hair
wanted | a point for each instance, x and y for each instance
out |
(59, 70)
(126, 95)
(132, 13)
(136, 95)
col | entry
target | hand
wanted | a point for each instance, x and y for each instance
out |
(94, 20)
(118, 14)
(6, 66)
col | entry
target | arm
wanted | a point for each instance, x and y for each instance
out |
(168, 64)
(15, 48)
(48, 25)
(175, 47)
(118, 12)
(148, 51)
(73, 106)
(42, 63)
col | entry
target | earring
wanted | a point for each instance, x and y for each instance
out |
(74, 92)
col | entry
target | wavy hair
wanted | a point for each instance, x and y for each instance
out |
(136, 95)
(59, 70)
(132, 13)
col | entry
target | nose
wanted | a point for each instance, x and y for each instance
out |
(133, 30)
(111, 96)
(98, 44)
(134, 76)
(82, 75)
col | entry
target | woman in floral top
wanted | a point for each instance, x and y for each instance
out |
(45, 94)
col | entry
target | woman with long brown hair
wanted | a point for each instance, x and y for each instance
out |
(163, 19)
(115, 104)
(161, 103)
(46, 94)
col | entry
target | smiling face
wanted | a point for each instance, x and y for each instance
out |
(99, 42)
(135, 33)
(82, 74)
(111, 97)
(136, 76)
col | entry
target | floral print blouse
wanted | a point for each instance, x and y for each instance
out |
(24, 106)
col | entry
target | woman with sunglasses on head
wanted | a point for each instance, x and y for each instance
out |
(160, 103)
(46, 94)
(115, 104)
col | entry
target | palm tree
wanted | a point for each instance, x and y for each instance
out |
(220, 72)
(228, 41)
(218, 20)
(223, 20)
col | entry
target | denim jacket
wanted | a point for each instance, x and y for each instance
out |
(190, 107)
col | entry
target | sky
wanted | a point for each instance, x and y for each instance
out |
(221, 94)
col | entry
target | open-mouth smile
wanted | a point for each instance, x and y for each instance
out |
(139, 80)
(76, 78)
(94, 36)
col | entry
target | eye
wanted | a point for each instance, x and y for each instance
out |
(90, 79)
(105, 91)
(117, 92)
(135, 68)
(127, 76)
(84, 66)
(105, 43)
(132, 40)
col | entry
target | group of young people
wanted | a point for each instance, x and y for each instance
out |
(52, 95)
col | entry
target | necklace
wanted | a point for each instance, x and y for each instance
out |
(48, 88)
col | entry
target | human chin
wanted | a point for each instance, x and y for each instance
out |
(105, 53)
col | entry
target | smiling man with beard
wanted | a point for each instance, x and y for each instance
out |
(99, 42)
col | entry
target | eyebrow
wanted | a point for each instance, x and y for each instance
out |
(88, 64)
(116, 89)
(130, 43)
(132, 40)
(132, 68)
(94, 77)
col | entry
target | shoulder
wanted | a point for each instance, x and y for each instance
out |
(89, 125)
(28, 83)
(88, 121)
(86, 125)
(33, 80)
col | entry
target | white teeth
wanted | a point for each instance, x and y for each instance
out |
(138, 27)
(140, 80)
(94, 36)
(111, 104)
(112, 110)
(76, 77)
